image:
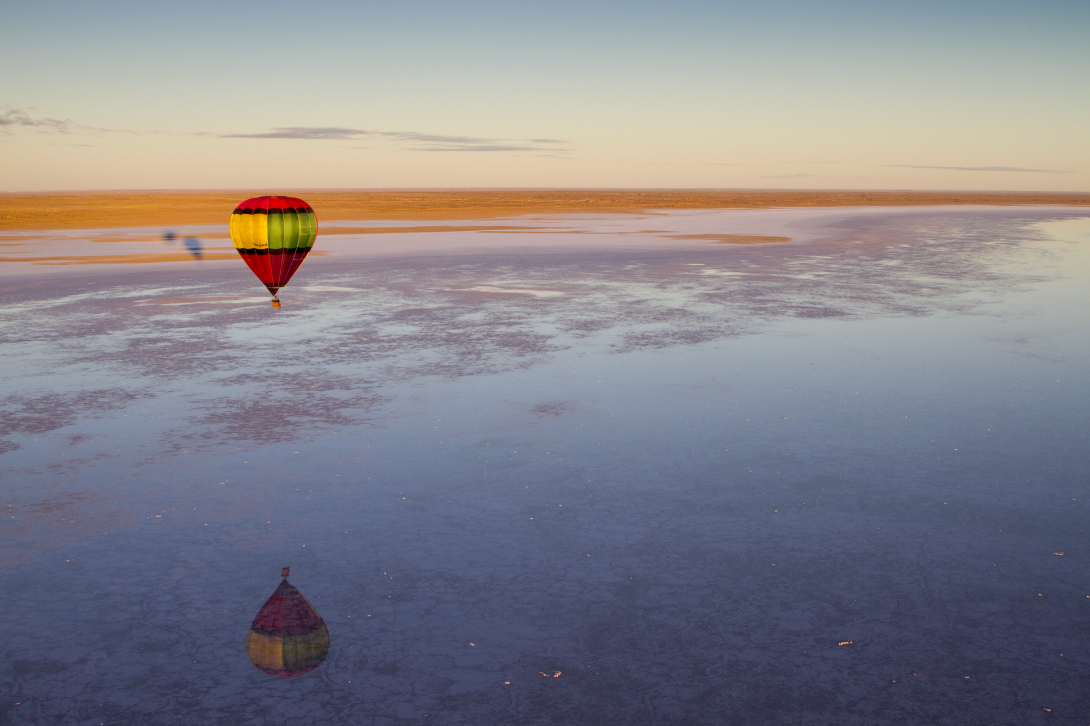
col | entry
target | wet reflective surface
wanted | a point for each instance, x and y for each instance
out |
(589, 473)
(288, 637)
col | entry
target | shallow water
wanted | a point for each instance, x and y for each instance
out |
(591, 475)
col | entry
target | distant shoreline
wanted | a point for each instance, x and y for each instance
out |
(78, 210)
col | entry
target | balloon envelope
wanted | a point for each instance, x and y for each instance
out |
(288, 637)
(273, 235)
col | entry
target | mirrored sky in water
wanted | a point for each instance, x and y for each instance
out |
(841, 479)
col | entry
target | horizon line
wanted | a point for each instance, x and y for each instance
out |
(245, 189)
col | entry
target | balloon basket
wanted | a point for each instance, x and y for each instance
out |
(276, 304)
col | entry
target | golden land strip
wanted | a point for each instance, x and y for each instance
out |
(79, 210)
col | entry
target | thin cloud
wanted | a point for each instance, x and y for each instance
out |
(985, 168)
(302, 132)
(785, 176)
(412, 140)
(16, 118)
(13, 119)
(478, 147)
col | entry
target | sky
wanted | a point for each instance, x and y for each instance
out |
(393, 94)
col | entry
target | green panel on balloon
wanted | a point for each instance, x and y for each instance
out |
(276, 230)
(291, 229)
(308, 229)
(305, 652)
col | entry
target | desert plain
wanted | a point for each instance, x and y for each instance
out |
(140, 208)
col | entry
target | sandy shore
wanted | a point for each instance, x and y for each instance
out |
(80, 210)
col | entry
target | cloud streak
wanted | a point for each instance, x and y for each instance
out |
(984, 168)
(302, 132)
(14, 118)
(410, 140)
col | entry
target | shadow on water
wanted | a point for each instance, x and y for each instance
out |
(190, 243)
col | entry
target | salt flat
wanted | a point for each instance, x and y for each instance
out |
(654, 466)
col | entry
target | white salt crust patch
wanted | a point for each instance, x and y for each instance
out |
(517, 291)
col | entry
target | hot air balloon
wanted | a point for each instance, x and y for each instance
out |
(273, 235)
(288, 637)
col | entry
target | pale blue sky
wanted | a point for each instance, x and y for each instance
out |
(923, 95)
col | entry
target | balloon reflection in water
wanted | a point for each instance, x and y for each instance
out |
(288, 637)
